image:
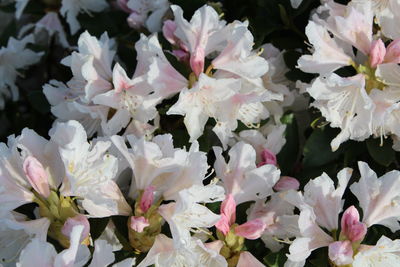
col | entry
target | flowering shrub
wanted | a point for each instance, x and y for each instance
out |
(199, 133)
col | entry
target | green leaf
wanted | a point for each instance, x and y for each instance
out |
(382, 153)
(317, 150)
(97, 226)
(39, 102)
(121, 230)
(276, 259)
(288, 156)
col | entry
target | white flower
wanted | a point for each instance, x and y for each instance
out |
(379, 198)
(92, 75)
(40, 253)
(241, 177)
(387, 14)
(364, 104)
(328, 55)
(159, 164)
(274, 139)
(140, 10)
(14, 57)
(16, 232)
(229, 89)
(319, 207)
(50, 23)
(89, 171)
(70, 9)
(275, 80)
(280, 221)
(15, 186)
(209, 98)
(345, 103)
(312, 237)
(386, 252)
(196, 254)
(202, 35)
(320, 193)
(187, 214)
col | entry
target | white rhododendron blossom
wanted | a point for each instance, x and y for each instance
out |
(70, 10)
(13, 58)
(191, 134)
(51, 24)
(147, 14)
(103, 99)
(364, 104)
(231, 87)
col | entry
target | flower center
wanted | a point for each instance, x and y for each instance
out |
(371, 80)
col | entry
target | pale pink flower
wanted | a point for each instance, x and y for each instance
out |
(252, 229)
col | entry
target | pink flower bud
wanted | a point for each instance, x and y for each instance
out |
(37, 176)
(138, 223)
(136, 20)
(228, 214)
(251, 230)
(377, 53)
(197, 61)
(169, 31)
(147, 198)
(393, 52)
(352, 228)
(79, 219)
(341, 252)
(286, 183)
(267, 157)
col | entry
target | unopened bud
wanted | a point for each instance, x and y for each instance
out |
(37, 176)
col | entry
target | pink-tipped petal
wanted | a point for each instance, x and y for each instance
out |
(197, 61)
(267, 157)
(251, 230)
(37, 176)
(169, 31)
(223, 225)
(341, 252)
(139, 223)
(246, 259)
(377, 53)
(147, 198)
(228, 208)
(228, 214)
(352, 228)
(393, 52)
(286, 183)
(79, 219)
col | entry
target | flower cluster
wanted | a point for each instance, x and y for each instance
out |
(190, 157)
